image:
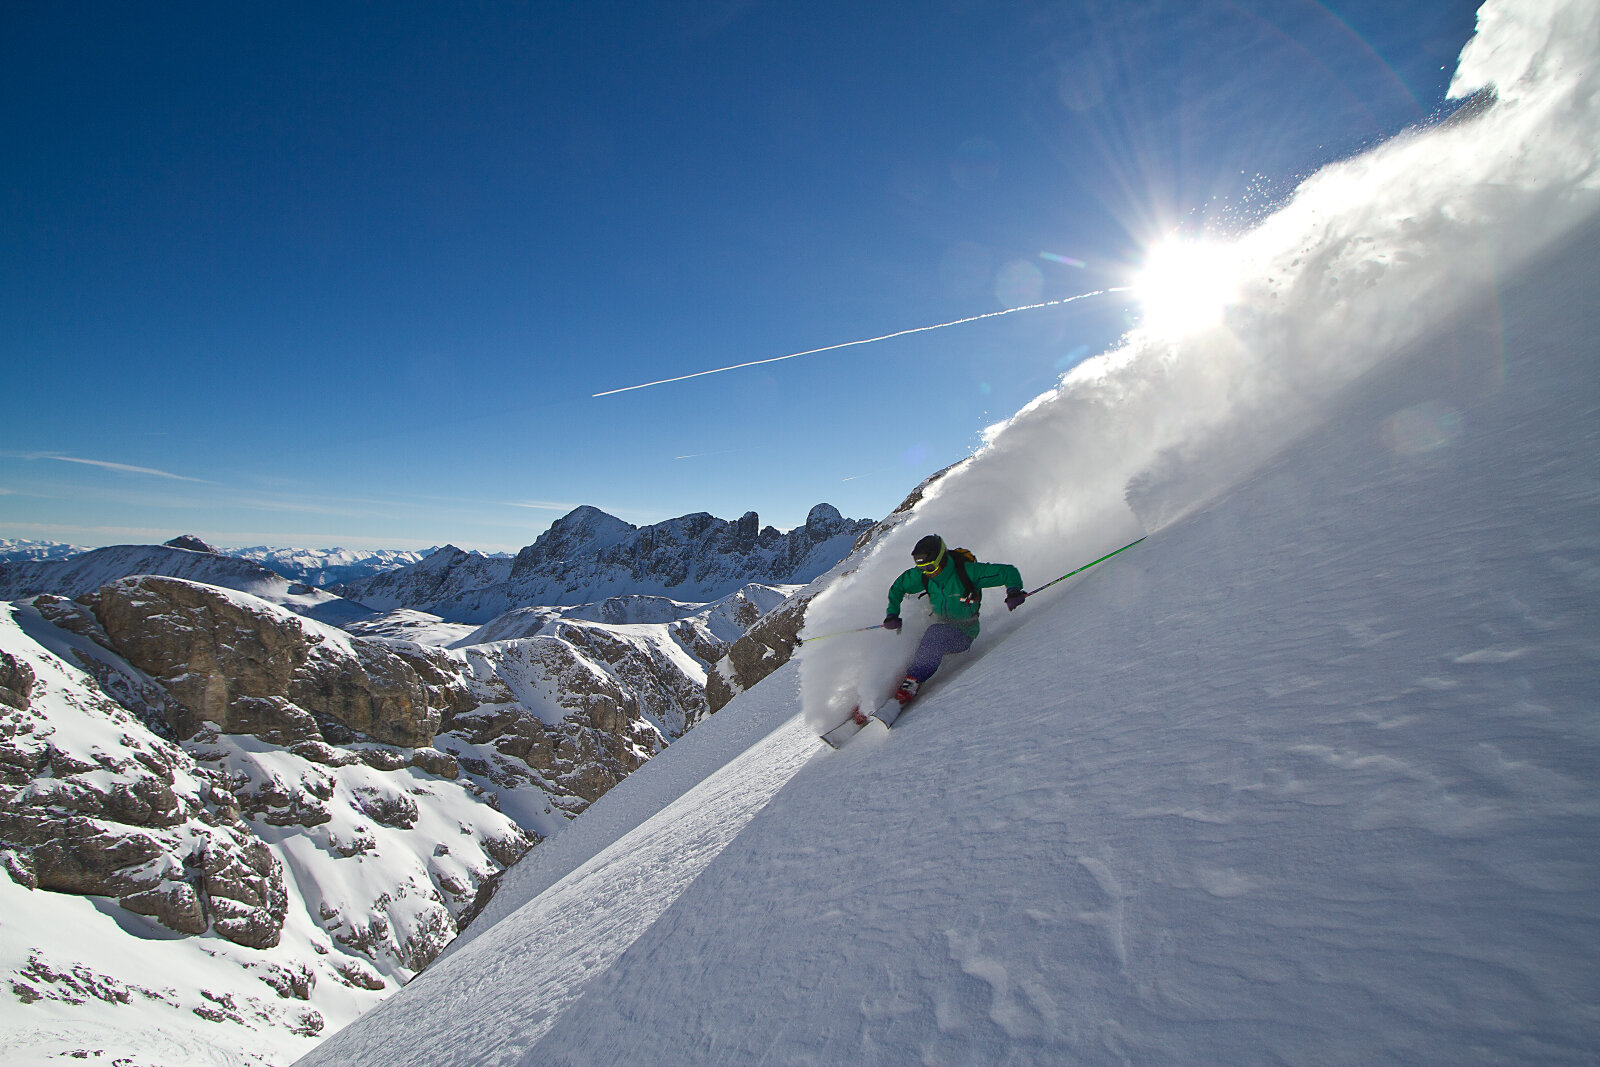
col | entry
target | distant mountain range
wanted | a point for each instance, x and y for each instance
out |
(185, 557)
(313, 566)
(585, 557)
(326, 566)
(588, 556)
(13, 550)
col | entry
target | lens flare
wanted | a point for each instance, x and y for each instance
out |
(1185, 287)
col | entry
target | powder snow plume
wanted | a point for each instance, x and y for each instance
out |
(1370, 254)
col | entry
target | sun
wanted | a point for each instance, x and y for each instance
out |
(1185, 286)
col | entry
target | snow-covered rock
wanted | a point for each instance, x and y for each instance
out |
(249, 666)
(243, 894)
(92, 803)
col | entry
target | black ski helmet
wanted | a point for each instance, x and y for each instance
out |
(929, 553)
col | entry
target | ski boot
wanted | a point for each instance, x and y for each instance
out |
(907, 691)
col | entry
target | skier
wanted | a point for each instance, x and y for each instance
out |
(953, 580)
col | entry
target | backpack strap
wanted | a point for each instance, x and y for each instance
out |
(960, 557)
(974, 595)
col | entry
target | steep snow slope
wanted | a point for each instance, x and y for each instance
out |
(1313, 779)
(1311, 776)
(583, 898)
(1372, 256)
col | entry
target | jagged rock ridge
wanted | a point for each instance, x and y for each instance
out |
(588, 556)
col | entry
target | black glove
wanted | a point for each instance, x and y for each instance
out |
(1014, 599)
(891, 622)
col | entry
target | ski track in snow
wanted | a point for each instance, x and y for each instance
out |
(500, 995)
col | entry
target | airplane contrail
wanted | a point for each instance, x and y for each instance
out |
(865, 340)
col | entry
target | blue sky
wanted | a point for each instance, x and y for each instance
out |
(350, 274)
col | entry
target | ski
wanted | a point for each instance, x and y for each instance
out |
(849, 728)
(886, 713)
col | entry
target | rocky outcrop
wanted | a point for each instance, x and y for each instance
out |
(92, 803)
(16, 682)
(440, 674)
(190, 542)
(141, 823)
(546, 716)
(765, 647)
(374, 692)
(253, 668)
(220, 660)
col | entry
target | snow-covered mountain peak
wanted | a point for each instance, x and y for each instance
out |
(190, 543)
(443, 558)
(823, 516)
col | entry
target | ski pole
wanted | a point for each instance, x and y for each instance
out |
(1081, 569)
(841, 633)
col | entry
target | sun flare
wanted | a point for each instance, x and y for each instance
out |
(1185, 286)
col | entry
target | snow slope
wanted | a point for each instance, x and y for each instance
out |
(1310, 776)
(564, 916)
(1313, 780)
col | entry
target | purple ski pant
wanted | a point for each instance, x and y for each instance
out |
(940, 641)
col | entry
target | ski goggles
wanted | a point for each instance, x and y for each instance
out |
(934, 565)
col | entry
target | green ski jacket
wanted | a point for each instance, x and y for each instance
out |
(945, 591)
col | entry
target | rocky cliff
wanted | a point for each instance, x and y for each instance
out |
(209, 761)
